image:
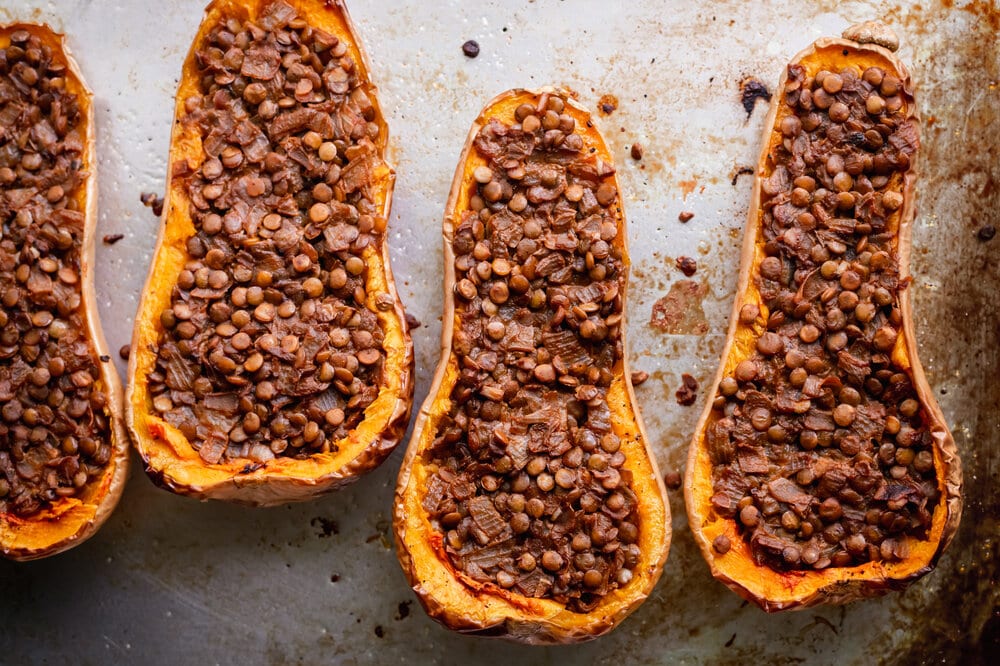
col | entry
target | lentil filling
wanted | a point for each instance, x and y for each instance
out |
(271, 345)
(55, 431)
(820, 446)
(528, 489)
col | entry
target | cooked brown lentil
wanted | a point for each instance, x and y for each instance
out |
(820, 447)
(269, 347)
(529, 490)
(55, 434)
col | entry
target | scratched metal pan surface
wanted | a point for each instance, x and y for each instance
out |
(171, 580)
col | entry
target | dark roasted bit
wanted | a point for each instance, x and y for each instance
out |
(687, 265)
(269, 346)
(986, 232)
(152, 201)
(687, 394)
(742, 171)
(636, 151)
(111, 239)
(55, 433)
(685, 216)
(530, 493)
(470, 48)
(752, 90)
(639, 377)
(821, 448)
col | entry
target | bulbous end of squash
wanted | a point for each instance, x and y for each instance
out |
(171, 460)
(69, 521)
(735, 564)
(450, 595)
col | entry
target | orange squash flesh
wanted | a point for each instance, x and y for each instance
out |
(450, 596)
(70, 521)
(779, 590)
(170, 459)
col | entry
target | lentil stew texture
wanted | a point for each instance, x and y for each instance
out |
(822, 469)
(63, 448)
(528, 505)
(271, 360)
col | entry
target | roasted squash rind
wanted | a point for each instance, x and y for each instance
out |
(450, 597)
(171, 461)
(774, 590)
(71, 521)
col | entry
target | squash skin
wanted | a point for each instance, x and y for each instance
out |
(774, 590)
(171, 462)
(71, 521)
(450, 597)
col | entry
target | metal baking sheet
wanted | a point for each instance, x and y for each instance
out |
(172, 580)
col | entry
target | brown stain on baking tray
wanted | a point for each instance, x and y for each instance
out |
(679, 312)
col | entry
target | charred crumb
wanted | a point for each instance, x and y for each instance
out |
(639, 377)
(685, 216)
(152, 201)
(687, 265)
(742, 171)
(379, 631)
(326, 527)
(986, 233)
(607, 105)
(732, 639)
(470, 48)
(636, 151)
(687, 394)
(403, 610)
(412, 322)
(111, 239)
(104, 358)
(752, 90)
(125, 351)
(672, 480)
(334, 578)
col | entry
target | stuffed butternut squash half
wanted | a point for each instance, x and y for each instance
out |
(823, 470)
(271, 360)
(529, 506)
(63, 445)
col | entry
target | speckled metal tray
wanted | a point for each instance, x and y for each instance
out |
(170, 580)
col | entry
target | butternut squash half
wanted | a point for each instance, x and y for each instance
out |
(823, 471)
(529, 506)
(63, 446)
(271, 360)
